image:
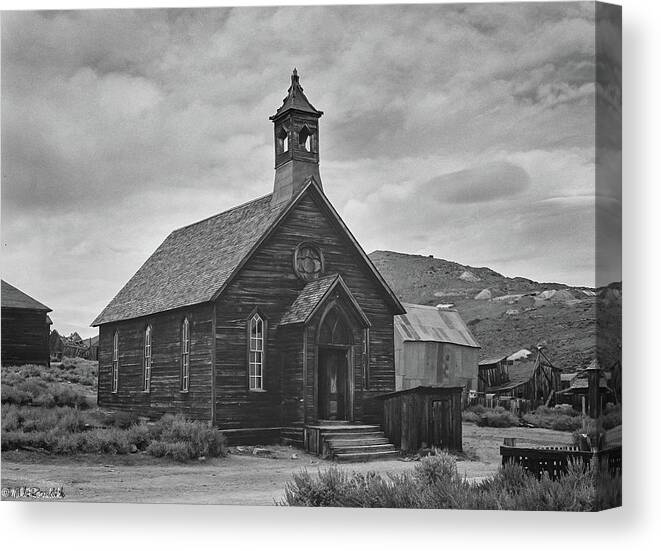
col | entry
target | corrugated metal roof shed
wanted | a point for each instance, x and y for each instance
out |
(15, 298)
(491, 361)
(431, 324)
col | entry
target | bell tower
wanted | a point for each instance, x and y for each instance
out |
(296, 141)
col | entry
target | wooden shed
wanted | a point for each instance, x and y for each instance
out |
(434, 347)
(423, 417)
(25, 328)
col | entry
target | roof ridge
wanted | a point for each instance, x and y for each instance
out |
(242, 205)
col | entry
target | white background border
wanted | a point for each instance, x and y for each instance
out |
(637, 524)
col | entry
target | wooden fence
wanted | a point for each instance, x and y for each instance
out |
(554, 460)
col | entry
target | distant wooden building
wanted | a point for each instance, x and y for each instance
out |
(536, 381)
(25, 328)
(577, 392)
(492, 372)
(73, 346)
(267, 315)
(434, 347)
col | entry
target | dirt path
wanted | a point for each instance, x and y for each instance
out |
(234, 480)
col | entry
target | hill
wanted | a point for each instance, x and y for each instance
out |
(509, 313)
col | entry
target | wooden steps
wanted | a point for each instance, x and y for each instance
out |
(347, 442)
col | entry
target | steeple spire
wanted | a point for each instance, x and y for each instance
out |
(296, 132)
(296, 99)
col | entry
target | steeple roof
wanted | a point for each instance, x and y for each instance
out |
(296, 99)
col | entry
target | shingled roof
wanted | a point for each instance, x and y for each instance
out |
(307, 300)
(195, 263)
(15, 298)
(296, 99)
(313, 295)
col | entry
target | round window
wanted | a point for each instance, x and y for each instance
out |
(308, 261)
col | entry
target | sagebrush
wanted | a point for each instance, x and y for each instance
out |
(435, 483)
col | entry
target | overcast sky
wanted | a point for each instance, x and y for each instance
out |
(463, 131)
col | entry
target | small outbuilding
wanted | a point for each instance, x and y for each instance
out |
(435, 348)
(423, 417)
(25, 328)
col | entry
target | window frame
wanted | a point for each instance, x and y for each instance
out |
(256, 314)
(114, 370)
(147, 358)
(314, 248)
(185, 355)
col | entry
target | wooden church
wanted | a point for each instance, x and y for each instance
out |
(267, 315)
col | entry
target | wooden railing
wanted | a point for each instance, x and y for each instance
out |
(554, 460)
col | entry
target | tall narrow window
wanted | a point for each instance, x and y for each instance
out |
(147, 360)
(185, 355)
(115, 361)
(256, 353)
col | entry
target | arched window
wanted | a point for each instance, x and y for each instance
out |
(147, 360)
(256, 337)
(306, 139)
(185, 355)
(334, 329)
(282, 140)
(115, 362)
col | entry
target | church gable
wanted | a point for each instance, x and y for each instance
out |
(272, 273)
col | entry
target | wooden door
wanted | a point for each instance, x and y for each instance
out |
(441, 423)
(333, 383)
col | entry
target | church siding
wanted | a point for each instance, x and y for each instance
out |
(267, 282)
(165, 395)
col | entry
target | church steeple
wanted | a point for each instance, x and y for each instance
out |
(296, 141)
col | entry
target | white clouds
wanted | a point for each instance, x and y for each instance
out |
(120, 125)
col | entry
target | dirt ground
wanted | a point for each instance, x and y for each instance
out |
(235, 480)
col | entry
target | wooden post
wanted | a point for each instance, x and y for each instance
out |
(594, 396)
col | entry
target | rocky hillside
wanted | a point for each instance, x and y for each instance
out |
(507, 314)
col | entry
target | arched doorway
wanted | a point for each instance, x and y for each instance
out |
(334, 355)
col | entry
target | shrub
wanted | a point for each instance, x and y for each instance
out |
(12, 440)
(139, 436)
(79, 370)
(328, 489)
(497, 417)
(37, 392)
(199, 439)
(563, 418)
(51, 424)
(124, 419)
(179, 451)
(440, 468)
(14, 396)
(486, 417)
